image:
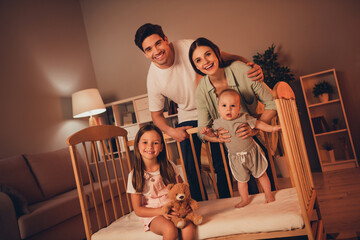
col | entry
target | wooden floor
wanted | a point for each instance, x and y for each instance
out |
(339, 200)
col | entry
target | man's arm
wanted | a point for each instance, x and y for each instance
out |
(255, 72)
(178, 134)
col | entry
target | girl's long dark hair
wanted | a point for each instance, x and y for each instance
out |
(206, 42)
(166, 170)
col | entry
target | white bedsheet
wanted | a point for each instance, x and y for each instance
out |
(221, 218)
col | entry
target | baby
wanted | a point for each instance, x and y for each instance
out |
(245, 156)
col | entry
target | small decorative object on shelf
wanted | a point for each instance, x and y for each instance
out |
(332, 113)
(322, 90)
(345, 147)
(335, 122)
(329, 147)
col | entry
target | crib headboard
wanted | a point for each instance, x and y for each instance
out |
(294, 148)
(103, 199)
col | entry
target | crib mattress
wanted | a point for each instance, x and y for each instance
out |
(221, 218)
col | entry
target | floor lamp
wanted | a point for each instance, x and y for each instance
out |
(87, 103)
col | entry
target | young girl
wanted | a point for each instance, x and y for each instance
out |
(245, 156)
(147, 184)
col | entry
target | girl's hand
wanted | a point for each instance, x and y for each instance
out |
(255, 72)
(175, 212)
(166, 216)
(244, 131)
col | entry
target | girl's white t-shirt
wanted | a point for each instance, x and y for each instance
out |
(146, 192)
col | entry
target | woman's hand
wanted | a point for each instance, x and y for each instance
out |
(222, 135)
(255, 72)
(244, 131)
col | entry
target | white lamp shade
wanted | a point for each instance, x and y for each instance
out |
(87, 102)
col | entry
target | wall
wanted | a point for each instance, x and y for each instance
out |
(311, 36)
(44, 58)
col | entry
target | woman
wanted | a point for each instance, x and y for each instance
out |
(219, 75)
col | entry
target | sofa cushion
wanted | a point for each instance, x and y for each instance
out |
(53, 171)
(19, 201)
(49, 213)
(14, 172)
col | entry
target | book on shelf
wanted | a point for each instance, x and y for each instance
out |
(320, 124)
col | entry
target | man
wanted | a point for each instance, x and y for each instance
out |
(171, 75)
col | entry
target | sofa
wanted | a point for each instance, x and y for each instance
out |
(38, 197)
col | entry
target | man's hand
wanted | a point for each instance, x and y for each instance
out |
(245, 131)
(255, 72)
(179, 134)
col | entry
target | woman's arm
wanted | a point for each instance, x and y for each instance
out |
(260, 91)
(205, 117)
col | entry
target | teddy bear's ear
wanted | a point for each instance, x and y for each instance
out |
(169, 186)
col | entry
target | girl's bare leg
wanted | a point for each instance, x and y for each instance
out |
(265, 183)
(164, 227)
(244, 194)
(188, 232)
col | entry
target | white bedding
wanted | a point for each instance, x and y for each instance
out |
(221, 218)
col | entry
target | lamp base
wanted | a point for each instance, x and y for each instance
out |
(92, 121)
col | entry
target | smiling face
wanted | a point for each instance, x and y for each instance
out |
(158, 50)
(229, 106)
(150, 145)
(205, 60)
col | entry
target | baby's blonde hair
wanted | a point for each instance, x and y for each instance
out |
(229, 91)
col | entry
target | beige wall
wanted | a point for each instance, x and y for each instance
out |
(312, 36)
(44, 58)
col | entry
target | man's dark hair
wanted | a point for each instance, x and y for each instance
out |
(145, 31)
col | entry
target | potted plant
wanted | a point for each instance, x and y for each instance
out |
(322, 90)
(272, 70)
(329, 147)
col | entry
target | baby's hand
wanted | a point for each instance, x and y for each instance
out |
(207, 131)
(276, 128)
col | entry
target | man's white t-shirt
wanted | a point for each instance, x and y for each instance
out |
(178, 83)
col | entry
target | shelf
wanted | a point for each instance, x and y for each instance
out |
(324, 103)
(339, 162)
(131, 114)
(329, 122)
(330, 132)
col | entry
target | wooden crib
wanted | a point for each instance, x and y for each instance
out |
(108, 216)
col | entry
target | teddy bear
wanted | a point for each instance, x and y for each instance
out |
(180, 199)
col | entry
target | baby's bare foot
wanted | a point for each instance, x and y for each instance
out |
(242, 204)
(269, 198)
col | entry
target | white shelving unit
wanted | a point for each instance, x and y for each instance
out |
(322, 116)
(132, 113)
